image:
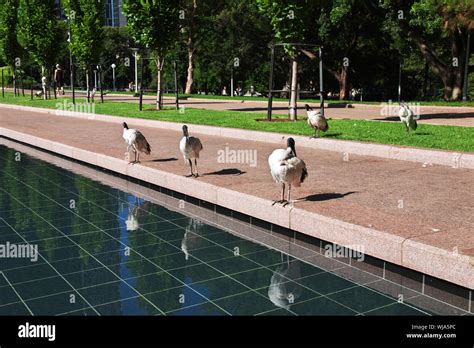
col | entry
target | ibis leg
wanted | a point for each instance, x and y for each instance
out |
(128, 153)
(288, 201)
(191, 166)
(196, 166)
(282, 195)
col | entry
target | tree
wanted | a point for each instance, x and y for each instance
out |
(116, 48)
(223, 33)
(39, 32)
(154, 24)
(291, 21)
(190, 16)
(10, 49)
(437, 28)
(86, 24)
(340, 28)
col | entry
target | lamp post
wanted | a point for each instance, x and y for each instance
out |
(400, 67)
(99, 73)
(113, 66)
(71, 65)
(466, 67)
(136, 56)
(95, 79)
(176, 88)
(270, 85)
(235, 64)
(321, 87)
(232, 82)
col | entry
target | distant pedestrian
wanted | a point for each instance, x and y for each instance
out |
(224, 91)
(44, 84)
(59, 79)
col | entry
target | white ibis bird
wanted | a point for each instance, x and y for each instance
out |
(287, 169)
(407, 117)
(190, 147)
(135, 141)
(316, 120)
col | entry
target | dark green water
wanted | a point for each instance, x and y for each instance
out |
(102, 251)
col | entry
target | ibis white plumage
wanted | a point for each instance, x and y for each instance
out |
(287, 169)
(135, 141)
(190, 148)
(316, 120)
(407, 117)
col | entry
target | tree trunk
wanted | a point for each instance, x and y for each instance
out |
(343, 84)
(14, 81)
(293, 88)
(458, 50)
(189, 79)
(450, 75)
(159, 65)
(425, 80)
(87, 86)
(457, 89)
(190, 46)
(342, 78)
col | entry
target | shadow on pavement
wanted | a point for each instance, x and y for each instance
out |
(228, 171)
(164, 159)
(325, 196)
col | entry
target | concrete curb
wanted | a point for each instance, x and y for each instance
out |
(444, 158)
(424, 258)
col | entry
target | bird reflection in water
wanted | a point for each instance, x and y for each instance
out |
(192, 238)
(283, 290)
(136, 215)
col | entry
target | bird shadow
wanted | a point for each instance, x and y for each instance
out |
(228, 171)
(329, 135)
(325, 196)
(165, 159)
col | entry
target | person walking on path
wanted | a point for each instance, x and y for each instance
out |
(59, 79)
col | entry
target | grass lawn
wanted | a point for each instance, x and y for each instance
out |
(312, 101)
(428, 136)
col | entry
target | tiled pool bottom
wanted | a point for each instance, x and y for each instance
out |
(103, 251)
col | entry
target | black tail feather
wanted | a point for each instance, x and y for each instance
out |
(304, 175)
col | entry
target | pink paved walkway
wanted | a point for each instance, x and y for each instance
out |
(433, 205)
